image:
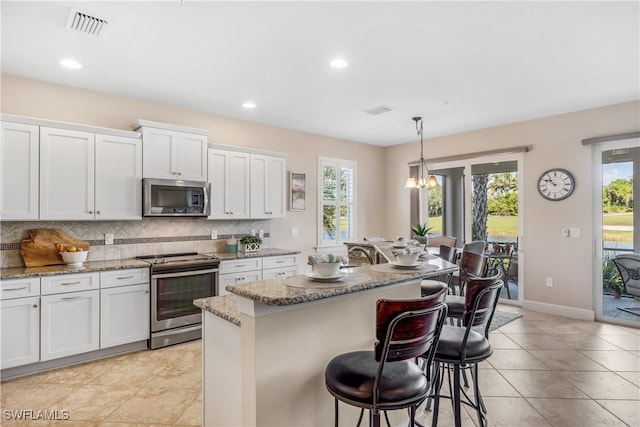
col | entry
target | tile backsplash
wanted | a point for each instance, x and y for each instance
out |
(132, 238)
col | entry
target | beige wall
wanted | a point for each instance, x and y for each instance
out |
(555, 142)
(383, 202)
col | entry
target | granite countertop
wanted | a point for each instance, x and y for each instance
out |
(224, 307)
(224, 256)
(298, 290)
(87, 267)
(91, 266)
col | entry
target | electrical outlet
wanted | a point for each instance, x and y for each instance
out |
(549, 282)
(214, 234)
(253, 232)
(565, 232)
(261, 233)
(294, 231)
(108, 239)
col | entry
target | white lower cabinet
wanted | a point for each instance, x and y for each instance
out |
(20, 322)
(20, 319)
(124, 307)
(69, 324)
(243, 270)
(233, 272)
(279, 267)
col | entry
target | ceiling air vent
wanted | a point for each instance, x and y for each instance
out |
(378, 110)
(86, 23)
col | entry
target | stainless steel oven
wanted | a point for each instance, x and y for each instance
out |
(176, 280)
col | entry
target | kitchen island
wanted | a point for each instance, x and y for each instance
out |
(265, 346)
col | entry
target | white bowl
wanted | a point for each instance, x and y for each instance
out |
(74, 259)
(407, 259)
(326, 269)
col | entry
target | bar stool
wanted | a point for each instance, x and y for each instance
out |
(429, 287)
(462, 347)
(389, 376)
(472, 265)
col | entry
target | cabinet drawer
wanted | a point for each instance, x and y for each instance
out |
(18, 288)
(112, 279)
(240, 265)
(280, 261)
(279, 273)
(69, 283)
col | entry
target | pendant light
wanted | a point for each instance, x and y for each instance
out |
(422, 181)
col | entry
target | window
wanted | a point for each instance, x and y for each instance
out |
(336, 202)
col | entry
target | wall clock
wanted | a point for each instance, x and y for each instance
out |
(556, 184)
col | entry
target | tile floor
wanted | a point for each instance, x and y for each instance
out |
(545, 371)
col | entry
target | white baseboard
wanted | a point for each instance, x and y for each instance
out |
(559, 310)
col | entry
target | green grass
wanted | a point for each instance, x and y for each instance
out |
(507, 226)
(618, 219)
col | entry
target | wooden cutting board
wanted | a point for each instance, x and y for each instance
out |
(40, 249)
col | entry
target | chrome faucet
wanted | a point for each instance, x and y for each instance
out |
(354, 249)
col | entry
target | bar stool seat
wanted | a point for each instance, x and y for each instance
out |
(353, 375)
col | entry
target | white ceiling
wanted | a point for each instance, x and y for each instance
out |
(460, 65)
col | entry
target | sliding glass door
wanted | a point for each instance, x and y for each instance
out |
(616, 186)
(480, 201)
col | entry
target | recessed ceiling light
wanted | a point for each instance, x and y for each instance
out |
(249, 105)
(70, 63)
(338, 63)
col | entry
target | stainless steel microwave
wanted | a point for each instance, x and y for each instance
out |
(167, 197)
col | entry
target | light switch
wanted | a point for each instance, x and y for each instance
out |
(214, 234)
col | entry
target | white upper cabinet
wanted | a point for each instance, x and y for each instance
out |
(87, 176)
(19, 152)
(66, 174)
(118, 181)
(229, 177)
(268, 186)
(173, 152)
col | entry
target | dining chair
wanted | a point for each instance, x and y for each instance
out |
(389, 377)
(442, 240)
(462, 347)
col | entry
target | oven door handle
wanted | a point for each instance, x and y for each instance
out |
(183, 273)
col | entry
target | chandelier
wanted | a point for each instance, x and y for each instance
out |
(422, 181)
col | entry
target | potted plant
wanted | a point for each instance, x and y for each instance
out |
(251, 243)
(421, 232)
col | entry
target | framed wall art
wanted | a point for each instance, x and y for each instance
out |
(298, 186)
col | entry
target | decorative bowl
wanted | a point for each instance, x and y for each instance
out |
(407, 259)
(326, 269)
(74, 259)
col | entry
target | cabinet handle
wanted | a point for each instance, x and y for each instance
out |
(179, 173)
(146, 292)
(279, 262)
(70, 283)
(91, 212)
(70, 298)
(126, 277)
(35, 305)
(98, 212)
(16, 289)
